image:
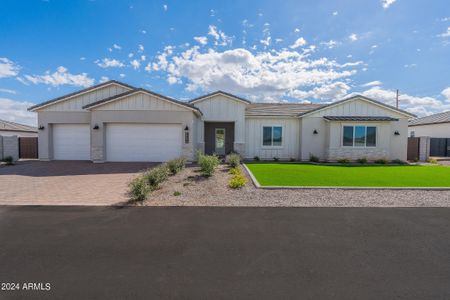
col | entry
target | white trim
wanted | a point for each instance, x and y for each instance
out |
(80, 94)
(218, 93)
(145, 92)
(272, 146)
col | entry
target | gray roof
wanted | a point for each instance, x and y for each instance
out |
(433, 119)
(12, 126)
(79, 92)
(219, 92)
(279, 109)
(359, 118)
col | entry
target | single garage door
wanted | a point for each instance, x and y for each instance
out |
(143, 142)
(71, 142)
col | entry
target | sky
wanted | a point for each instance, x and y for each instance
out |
(266, 51)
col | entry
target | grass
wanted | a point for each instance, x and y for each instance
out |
(279, 174)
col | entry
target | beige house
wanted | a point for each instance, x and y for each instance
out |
(114, 121)
(8, 128)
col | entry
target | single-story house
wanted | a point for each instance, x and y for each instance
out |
(435, 126)
(8, 128)
(114, 121)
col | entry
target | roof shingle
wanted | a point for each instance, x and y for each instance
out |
(12, 126)
(279, 109)
(433, 119)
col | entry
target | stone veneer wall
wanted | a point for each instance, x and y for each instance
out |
(334, 154)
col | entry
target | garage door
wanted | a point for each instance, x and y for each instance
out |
(142, 142)
(71, 142)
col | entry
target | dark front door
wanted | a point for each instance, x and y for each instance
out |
(28, 147)
(439, 147)
(219, 137)
(413, 148)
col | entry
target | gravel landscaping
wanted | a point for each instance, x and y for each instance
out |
(188, 188)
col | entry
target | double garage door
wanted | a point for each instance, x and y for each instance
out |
(123, 142)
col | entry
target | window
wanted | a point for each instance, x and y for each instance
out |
(413, 133)
(272, 135)
(186, 137)
(359, 136)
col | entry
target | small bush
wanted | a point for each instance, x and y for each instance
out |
(256, 158)
(208, 164)
(362, 160)
(176, 165)
(343, 161)
(176, 193)
(399, 162)
(276, 158)
(381, 161)
(313, 158)
(138, 189)
(233, 160)
(234, 171)
(154, 177)
(432, 161)
(292, 159)
(237, 181)
(8, 160)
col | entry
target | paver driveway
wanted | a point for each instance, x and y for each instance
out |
(66, 182)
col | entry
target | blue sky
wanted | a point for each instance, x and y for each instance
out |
(317, 51)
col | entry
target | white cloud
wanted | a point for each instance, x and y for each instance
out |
(221, 39)
(140, 48)
(298, 43)
(115, 46)
(165, 7)
(135, 64)
(8, 68)
(446, 93)
(330, 44)
(143, 31)
(372, 83)
(278, 40)
(445, 34)
(143, 58)
(16, 111)
(103, 79)
(61, 77)
(265, 76)
(266, 41)
(203, 40)
(332, 91)
(410, 66)
(82, 58)
(387, 3)
(335, 13)
(122, 75)
(353, 37)
(8, 91)
(109, 63)
(296, 30)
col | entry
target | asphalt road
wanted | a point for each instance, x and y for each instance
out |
(226, 253)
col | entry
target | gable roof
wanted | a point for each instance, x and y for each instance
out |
(140, 90)
(204, 97)
(76, 93)
(12, 126)
(439, 118)
(279, 109)
(403, 112)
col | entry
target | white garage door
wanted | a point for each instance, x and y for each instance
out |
(71, 142)
(142, 142)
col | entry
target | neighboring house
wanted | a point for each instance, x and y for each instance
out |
(435, 126)
(8, 128)
(114, 121)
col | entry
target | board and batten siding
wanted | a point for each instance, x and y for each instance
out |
(220, 108)
(76, 103)
(441, 130)
(141, 101)
(254, 138)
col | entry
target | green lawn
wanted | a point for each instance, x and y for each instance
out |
(286, 174)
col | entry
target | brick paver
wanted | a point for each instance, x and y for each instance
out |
(66, 182)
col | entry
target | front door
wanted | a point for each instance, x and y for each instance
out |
(220, 141)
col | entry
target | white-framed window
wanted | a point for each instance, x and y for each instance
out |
(359, 136)
(272, 136)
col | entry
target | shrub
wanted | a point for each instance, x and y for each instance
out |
(176, 193)
(233, 160)
(276, 158)
(313, 158)
(234, 171)
(292, 159)
(381, 161)
(256, 158)
(432, 161)
(208, 164)
(399, 162)
(154, 177)
(362, 160)
(138, 189)
(8, 160)
(176, 165)
(343, 161)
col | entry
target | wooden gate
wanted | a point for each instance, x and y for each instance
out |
(413, 148)
(28, 147)
(439, 147)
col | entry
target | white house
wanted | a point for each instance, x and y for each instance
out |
(435, 126)
(114, 121)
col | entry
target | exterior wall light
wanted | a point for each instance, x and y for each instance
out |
(396, 132)
(315, 131)
(186, 135)
(95, 127)
(41, 127)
